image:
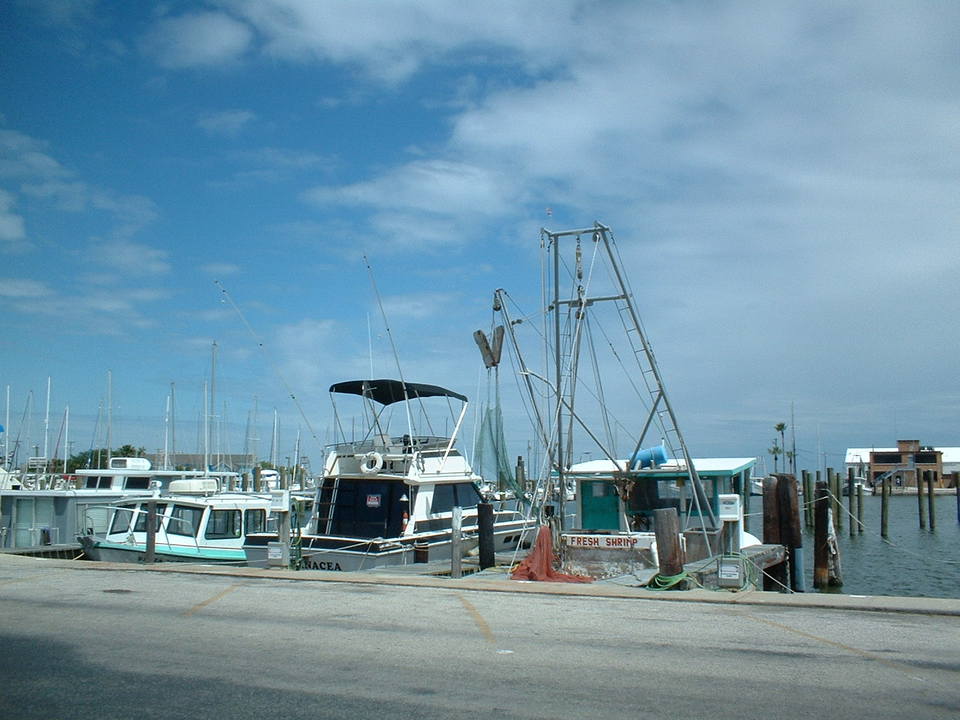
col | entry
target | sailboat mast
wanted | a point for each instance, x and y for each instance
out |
(66, 437)
(275, 439)
(109, 415)
(166, 436)
(213, 391)
(173, 422)
(206, 430)
(46, 421)
(6, 431)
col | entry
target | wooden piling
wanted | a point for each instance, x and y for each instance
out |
(790, 534)
(456, 554)
(921, 509)
(669, 550)
(485, 531)
(775, 577)
(885, 506)
(821, 552)
(929, 476)
(833, 487)
(851, 499)
(860, 509)
(807, 499)
(151, 554)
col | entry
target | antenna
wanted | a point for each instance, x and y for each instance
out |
(393, 346)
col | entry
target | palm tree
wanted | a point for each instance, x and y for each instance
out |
(780, 427)
(776, 450)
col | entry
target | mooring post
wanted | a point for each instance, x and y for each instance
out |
(851, 498)
(860, 509)
(929, 475)
(669, 550)
(885, 506)
(921, 510)
(456, 557)
(775, 576)
(790, 533)
(821, 551)
(151, 554)
(807, 499)
(834, 491)
(485, 529)
(256, 479)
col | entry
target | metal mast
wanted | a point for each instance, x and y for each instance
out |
(661, 409)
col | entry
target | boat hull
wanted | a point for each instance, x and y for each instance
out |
(100, 550)
(342, 554)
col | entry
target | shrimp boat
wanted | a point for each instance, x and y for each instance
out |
(390, 499)
(191, 525)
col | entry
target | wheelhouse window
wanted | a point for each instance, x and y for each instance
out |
(121, 520)
(137, 483)
(255, 521)
(184, 520)
(96, 482)
(141, 524)
(223, 524)
(445, 497)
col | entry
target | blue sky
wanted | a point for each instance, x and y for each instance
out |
(781, 178)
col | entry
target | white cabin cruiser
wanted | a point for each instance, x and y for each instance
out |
(383, 496)
(191, 526)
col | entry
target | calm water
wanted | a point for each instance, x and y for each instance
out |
(911, 562)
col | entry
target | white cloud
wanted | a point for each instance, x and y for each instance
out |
(227, 122)
(197, 39)
(22, 156)
(131, 258)
(388, 40)
(426, 200)
(303, 354)
(20, 288)
(12, 228)
(221, 269)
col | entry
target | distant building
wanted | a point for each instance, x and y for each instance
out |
(906, 463)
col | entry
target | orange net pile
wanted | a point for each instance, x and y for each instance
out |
(538, 565)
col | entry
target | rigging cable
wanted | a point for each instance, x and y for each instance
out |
(270, 362)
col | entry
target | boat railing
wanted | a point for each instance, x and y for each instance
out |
(402, 444)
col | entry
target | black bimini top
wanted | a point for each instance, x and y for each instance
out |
(386, 392)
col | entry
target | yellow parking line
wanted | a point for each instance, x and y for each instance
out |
(482, 624)
(208, 601)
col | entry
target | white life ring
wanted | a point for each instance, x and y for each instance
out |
(371, 463)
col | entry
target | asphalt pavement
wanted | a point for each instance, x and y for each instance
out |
(89, 640)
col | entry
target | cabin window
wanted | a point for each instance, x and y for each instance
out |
(121, 520)
(184, 520)
(137, 483)
(255, 521)
(445, 497)
(223, 524)
(141, 524)
(96, 482)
